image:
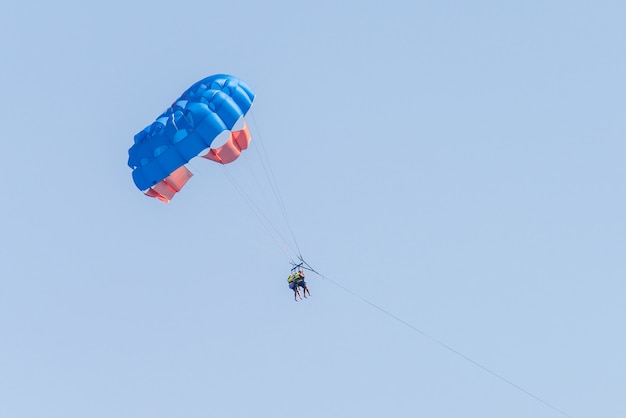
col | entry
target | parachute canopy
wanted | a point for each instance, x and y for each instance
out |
(187, 129)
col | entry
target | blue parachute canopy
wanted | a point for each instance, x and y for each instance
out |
(187, 128)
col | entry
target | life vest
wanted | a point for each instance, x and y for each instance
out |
(291, 278)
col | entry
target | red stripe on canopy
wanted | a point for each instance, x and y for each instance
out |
(231, 150)
(168, 187)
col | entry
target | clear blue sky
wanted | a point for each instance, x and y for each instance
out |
(458, 164)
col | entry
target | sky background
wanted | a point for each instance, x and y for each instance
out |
(459, 165)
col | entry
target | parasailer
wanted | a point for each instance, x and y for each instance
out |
(291, 280)
(301, 283)
(187, 129)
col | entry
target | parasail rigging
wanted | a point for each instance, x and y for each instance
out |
(193, 126)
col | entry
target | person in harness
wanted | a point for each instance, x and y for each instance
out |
(299, 279)
(291, 280)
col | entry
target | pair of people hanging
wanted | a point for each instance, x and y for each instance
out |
(296, 281)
